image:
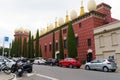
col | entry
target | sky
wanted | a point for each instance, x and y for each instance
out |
(36, 14)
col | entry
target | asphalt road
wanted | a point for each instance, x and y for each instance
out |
(42, 72)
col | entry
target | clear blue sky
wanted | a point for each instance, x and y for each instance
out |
(34, 14)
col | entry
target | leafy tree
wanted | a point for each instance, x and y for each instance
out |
(61, 54)
(14, 49)
(71, 42)
(37, 44)
(53, 46)
(1, 51)
(6, 50)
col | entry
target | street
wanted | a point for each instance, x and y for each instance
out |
(43, 72)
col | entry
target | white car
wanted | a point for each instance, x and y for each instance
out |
(101, 64)
(39, 60)
(8, 61)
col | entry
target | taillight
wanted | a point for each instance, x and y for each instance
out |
(108, 62)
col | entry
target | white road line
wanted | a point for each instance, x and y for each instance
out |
(30, 74)
(48, 77)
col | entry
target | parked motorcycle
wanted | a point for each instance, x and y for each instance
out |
(5, 68)
(18, 68)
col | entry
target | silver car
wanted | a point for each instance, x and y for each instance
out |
(101, 64)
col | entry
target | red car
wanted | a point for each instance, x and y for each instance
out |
(70, 62)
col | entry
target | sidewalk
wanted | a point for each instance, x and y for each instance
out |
(4, 76)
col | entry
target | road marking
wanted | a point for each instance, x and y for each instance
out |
(30, 74)
(48, 77)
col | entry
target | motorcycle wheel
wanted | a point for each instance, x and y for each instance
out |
(20, 74)
(7, 70)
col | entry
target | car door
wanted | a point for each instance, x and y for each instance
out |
(99, 64)
(36, 61)
(93, 64)
(64, 63)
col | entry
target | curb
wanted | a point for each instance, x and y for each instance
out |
(10, 76)
(13, 77)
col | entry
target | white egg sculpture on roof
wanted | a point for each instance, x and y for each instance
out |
(21, 30)
(73, 14)
(27, 31)
(51, 26)
(61, 21)
(16, 30)
(91, 5)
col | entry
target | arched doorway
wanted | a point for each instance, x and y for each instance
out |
(89, 55)
(57, 54)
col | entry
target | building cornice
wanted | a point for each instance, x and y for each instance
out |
(107, 28)
(80, 18)
(103, 5)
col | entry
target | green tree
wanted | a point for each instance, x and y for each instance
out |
(20, 46)
(17, 54)
(1, 51)
(71, 42)
(24, 48)
(12, 53)
(37, 44)
(40, 51)
(29, 45)
(53, 46)
(15, 48)
(32, 48)
(61, 54)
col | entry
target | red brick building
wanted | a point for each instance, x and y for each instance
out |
(23, 33)
(83, 28)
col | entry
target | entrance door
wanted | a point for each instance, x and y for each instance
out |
(89, 57)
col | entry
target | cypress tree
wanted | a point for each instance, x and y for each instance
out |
(24, 48)
(12, 52)
(29, 45)
(20, 46)
(71, 42)
(61, 54)
(37, 44)
(40, 52)
(53, 46)
(32, 48)
(16, 48)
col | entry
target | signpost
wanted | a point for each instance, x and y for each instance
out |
(6, 39)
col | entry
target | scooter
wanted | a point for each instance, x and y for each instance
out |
(18, 68)
(5, 68)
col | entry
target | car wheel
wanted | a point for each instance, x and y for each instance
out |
(51, 64)
(105, 69)
(87, 67)
(38, 62)
(78, 67)
(70, 66)
(30, 70)
(60, 65)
